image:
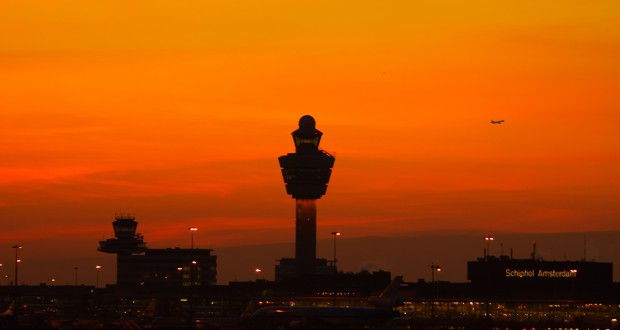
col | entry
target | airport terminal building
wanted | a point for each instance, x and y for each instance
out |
(508, 277)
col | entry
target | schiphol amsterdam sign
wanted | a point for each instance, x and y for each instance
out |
(540, 273)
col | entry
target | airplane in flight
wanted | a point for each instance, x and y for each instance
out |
(497, 121)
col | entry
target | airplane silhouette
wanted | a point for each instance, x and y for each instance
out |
(318, 317)
(497, 121)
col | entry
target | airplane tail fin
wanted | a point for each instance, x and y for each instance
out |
(150, 309)
(10, 311)
(391, 291)
(249, 308)
(389, 296)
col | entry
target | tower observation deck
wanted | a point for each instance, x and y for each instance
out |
(126, 241)
(306, 174)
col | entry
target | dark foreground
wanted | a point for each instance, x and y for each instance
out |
(83, 307)
(318, 319)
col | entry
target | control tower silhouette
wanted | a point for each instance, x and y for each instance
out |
(125, 244)
(139, 266)
(306, 174)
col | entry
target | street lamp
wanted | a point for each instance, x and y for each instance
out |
(97, 269)
(488, 239)
(17, 261)
(434, 268)
(335, 234)
(192, 230)
(257, 271)
(76, 271)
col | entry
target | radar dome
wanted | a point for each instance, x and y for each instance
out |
(307, 122)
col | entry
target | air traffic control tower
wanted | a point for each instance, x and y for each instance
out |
(306, 174)
(125, 244)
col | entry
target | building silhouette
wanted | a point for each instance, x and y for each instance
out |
(306, 173)
(138, 265)
(506, 277)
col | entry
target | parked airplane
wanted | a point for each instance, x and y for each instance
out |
(289, 317)
(149, 319)
(497, 121)
(302, 317)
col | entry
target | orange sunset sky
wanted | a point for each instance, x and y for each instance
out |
(177, 111)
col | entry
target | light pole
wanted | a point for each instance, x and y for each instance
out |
(193, 276)
(192, 230)
(97, 269)
(335, 234)
(487, 253)
(76, 271)
(434, 268)
(16, 247)
(488, 239)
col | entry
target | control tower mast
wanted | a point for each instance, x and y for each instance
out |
(306, 174)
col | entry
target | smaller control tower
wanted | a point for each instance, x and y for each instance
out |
(126, 240)
(136, 265)
(125, 244)
(306, 174)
